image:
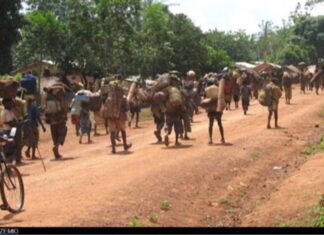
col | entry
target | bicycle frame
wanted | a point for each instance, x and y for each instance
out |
(4, 168)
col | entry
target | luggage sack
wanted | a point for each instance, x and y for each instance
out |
(162, 82)
(209, 104)
(29, 83)
(52, 107)
(82, 98)
(8, 89)
(212, 92)
(265, 97)
(159, 97)
(95, 103)
(175, 99)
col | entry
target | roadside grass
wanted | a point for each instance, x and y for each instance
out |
(226, 202)
(135, 221)
(318, 215)
(153, 218)
(316, 148)
(256, 154)
(164, 205)
(313, 217)
(240, 197)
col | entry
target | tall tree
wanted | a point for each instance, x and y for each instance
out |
(186, 43)
(155, 50)
(10, 22)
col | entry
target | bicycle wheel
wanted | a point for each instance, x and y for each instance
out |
(12, 189)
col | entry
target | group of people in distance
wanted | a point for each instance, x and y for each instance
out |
(173, 101)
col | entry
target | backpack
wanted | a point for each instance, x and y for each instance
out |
(265, 97)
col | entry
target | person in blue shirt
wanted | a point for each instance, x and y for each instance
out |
(31, 133)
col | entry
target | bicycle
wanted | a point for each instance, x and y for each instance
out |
(11, 183)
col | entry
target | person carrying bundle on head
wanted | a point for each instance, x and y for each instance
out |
(246, 93)
(287, 84)
(56, 115)
(135, 106)
(304, 77)
(318, 76)
(173, 110)
(187, 110)
(228, 87)
(117, 108)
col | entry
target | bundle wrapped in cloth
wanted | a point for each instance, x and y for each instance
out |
(212, 92)
(95, 102)
(265, 97)
(55, 104)
(20, 109)
(93, 99)
(8, 89)
(162, 82)
(114, 101)
(159, 97)
(174, 102)
(287, 79)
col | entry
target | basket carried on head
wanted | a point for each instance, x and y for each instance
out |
(8, 89)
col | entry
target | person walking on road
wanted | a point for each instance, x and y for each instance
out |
(275, 95)
(85, 123)
(246, 93)
(30, 128)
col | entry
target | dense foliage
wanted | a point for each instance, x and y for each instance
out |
(9, 24)
(143, 37)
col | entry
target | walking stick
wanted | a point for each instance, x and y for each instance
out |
(41, 159)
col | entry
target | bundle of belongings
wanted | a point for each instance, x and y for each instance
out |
(265, 97)
(115, 100)
(55, 103)
(165, 95)
(214, 95)
(93, 99)
(286, 79)
(28, 82)
(8, 89)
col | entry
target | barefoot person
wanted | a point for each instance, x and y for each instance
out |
(135, 107)
(173, 115)
(276, 95)
(117, 108)
(286, 80)
(216, 110)
(246, 93)
(75, 115)
(85, 123)
(31, 135)
(56, 116)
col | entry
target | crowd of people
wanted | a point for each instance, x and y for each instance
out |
(173, 99)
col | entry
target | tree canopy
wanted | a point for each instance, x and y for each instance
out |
(143, 37)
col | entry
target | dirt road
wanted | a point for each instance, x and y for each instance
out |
(231, 185)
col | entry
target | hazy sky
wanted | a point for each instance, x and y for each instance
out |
(237, 14)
